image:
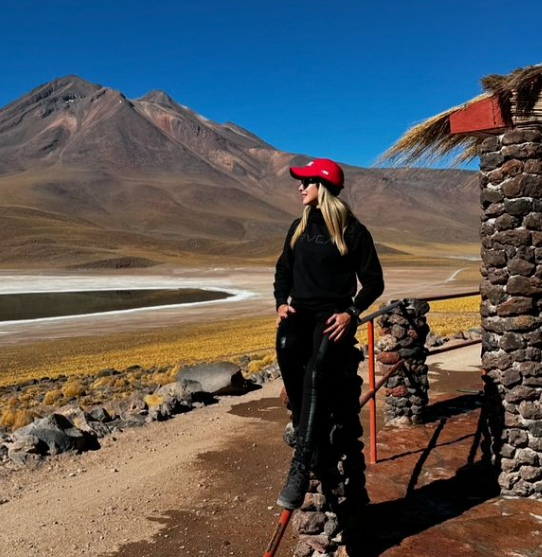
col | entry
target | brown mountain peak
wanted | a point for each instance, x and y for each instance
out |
(159, 97)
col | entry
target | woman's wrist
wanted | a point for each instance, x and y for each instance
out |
(354, 312)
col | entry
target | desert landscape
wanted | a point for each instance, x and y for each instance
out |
(102, 192)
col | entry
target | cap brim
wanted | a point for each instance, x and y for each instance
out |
(299, 172)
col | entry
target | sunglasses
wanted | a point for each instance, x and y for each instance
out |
(306, 182)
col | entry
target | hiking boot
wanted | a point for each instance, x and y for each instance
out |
(293, 493)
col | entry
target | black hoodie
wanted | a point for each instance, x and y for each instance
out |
(318, 277)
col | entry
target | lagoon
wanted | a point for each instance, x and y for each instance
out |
(26, 306)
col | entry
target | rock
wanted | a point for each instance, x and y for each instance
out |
(167, 406)
(107, 372)
(320, 543)
(313, 502)
(57, 432)
(434, 340)
(26, 449)
(100, 414)
(515, 305)
(398, 391)
(521, 136)
(133, 404)
(388, 358)
(85, 422)
(530, 410)
(131, 420)
(219, 378)
(303, 550)
(386, 343)
(309, 522)
(180, 390)
(290, 434)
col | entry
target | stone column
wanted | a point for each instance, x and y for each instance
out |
(402, 336)
(331, 519)
(511, 289)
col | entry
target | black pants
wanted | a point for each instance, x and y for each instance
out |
(308, 362)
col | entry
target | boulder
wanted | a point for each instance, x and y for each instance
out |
(86, 422)
(182, 391)
(131, 420)
(218, 378)
(133, 404)
(100, 414)
(57, 432)
(166, 406)
(26, 449)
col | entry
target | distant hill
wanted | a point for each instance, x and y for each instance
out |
(87, 175)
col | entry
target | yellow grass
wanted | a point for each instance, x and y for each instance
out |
(51, 397)
(73, 388)
(166, 349)
(153, 400)
(15, 418)
(199, 342)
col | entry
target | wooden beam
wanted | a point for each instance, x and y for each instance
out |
(483, 115)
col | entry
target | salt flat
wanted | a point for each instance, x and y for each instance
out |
(252, 289)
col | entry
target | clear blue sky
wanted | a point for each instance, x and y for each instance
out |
(340, 79)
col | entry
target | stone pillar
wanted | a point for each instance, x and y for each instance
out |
(511, 289)
(331, 519)
(402, 336)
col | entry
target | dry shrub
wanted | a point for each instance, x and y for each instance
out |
(120, 383)
(132, 380)
(259, 362)
(153, 400)
(269, 359)
(73, 388)
(22, 418)
(12, 402)
(158, 378)
(16, 418)
(103, 382)
(51, 397)
(8, 417)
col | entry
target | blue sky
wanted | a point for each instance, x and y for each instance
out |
(341, 79)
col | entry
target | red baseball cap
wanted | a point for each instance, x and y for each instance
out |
(326, 169)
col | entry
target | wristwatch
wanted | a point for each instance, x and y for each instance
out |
(354, 312)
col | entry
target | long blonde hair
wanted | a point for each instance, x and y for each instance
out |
(335, 213)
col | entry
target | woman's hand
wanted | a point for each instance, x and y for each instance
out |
(283, 311)
(340, 323)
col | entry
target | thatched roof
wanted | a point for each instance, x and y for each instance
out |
(517, 93)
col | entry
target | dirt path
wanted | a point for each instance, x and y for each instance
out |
(203, 483)
(94, 503)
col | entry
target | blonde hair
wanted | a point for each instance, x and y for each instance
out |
(335, 213)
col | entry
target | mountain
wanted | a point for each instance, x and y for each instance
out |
(88, 175)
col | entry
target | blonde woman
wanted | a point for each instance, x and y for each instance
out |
(325, 252)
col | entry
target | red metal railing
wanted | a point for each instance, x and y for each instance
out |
(370, 396)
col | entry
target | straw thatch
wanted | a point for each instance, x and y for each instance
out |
(431, 140)
(526, 83)
(518, 94)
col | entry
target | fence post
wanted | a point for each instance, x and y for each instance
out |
(372, 401)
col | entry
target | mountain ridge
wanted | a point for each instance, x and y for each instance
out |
(153, 168)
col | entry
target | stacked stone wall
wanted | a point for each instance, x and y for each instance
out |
(511, 290)
(402, 337)
(331, 519)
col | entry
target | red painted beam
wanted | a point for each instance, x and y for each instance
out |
(483, 115)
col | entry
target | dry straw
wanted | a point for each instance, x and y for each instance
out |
(431, 140)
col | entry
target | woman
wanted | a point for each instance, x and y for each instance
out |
(325, 250)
